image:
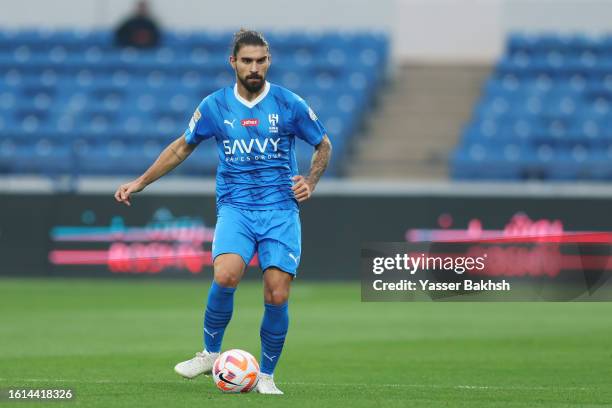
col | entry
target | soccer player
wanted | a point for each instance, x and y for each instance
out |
(254, 124)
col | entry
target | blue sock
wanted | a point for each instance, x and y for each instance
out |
(273, 331)
(218, 314)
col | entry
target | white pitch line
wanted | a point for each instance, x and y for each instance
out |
(460, 387)
(61, 380)
(320, 384)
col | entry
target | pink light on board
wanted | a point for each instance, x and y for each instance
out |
(140, 258)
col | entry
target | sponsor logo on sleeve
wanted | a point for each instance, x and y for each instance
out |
(312, 115)
(194, 119)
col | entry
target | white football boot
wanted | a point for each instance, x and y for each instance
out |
(202, 363)
(266, 385)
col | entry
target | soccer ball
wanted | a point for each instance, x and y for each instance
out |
(236, 371)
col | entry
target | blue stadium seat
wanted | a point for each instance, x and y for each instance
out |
(71, 102)
(552, 95)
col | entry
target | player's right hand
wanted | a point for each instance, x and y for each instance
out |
(123, 193)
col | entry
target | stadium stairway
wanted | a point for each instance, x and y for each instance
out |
(420, 116)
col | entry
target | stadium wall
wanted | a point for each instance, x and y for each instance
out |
(205, 15)
(423, 30)
(169, 235)
(474, 31)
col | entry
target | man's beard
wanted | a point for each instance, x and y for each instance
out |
(252, 87)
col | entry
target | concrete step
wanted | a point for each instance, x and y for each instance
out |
(430, 160)
(388, 118)
(410, 133)
(406, 154)
(389, 171)
(418, 122)
(406, 140)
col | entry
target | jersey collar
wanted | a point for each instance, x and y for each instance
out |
(250, 104)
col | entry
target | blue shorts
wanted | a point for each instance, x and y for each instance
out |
(276, 236)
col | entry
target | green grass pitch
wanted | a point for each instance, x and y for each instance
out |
(115, 342)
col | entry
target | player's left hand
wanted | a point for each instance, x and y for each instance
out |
(302, 189)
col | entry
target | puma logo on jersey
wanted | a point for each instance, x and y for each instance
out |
(295, 258)
(227, 122)
(243, 146)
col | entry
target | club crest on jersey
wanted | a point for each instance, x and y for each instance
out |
(273, 119)
(249, 122)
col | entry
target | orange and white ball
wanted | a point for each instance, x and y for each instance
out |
(236, 371)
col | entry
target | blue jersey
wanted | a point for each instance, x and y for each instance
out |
(256, 144)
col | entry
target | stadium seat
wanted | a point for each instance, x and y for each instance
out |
(551, 95)
(90, 107)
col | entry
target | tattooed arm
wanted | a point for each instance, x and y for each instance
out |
(304, 186)
(170, 157)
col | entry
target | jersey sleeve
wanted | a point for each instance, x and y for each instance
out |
(308, 126)
(201, 124)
